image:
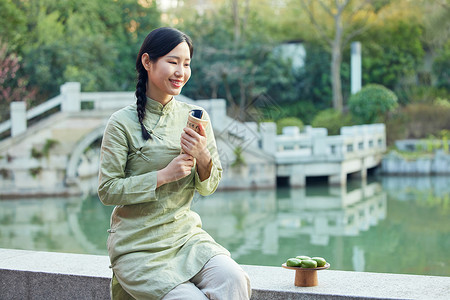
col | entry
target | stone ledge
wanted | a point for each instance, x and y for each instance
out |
(47, 275)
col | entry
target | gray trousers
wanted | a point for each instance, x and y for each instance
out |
(221, 278)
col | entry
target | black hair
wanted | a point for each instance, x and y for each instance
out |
(158, 43)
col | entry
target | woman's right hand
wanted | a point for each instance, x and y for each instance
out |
(179, 167)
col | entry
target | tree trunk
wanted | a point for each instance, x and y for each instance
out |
(336, 59)
(243, 102)
(336, 43)
(229, 95)
(236, 22)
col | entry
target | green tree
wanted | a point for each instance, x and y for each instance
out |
(94, 42)
(237, 60)
(372, 104)
(395, 54)
(435, 16)
(315, 79)
(12, 24)
(392, 50)
(441, 67)
(350, 19)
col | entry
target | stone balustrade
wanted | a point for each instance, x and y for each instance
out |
(314, 143)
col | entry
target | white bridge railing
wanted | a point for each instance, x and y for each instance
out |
(314, 144)
(70, 99)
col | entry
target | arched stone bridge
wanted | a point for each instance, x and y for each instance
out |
(60, 154)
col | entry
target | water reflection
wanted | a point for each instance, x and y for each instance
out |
(397, 225)
(267, 227)
(54, 224)
(338, 213)
(393, 225)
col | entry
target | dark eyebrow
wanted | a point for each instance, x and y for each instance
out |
(176, 57)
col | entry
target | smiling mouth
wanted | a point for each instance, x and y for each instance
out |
(177, 83)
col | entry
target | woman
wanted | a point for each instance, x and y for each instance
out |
(157, 247)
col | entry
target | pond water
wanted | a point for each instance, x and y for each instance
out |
(389, 224)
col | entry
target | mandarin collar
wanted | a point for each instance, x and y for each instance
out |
(156, 107)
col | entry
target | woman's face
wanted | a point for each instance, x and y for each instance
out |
(168, 75)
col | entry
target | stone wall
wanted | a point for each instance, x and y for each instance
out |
(436, 164)
(45, 275)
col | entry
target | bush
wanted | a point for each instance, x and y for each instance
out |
(290, 121)
(332, 120)
(372, 104)
(441, 67)
(302, 109)
(396, 128)
(423, 120)
(421, 94)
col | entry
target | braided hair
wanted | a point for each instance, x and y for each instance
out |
(158, 43)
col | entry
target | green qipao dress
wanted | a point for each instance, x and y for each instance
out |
(155, 241)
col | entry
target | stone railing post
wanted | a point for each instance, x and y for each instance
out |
(319, 138)
(218, 112)
(71, 93)
(268, 131)
(18, 117)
